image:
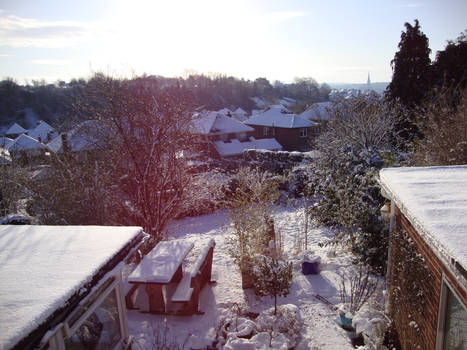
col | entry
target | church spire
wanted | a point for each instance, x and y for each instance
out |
(368, 82)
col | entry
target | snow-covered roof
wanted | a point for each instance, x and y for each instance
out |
(224, 111)
(274, 117)
(78, 139)
(25, 142)
(41, 130)
(43, 266)
(239, 111)
(235, 147)
(15, 129)
(5, 142)
(434, 200)
(317, 111)
(216, 124)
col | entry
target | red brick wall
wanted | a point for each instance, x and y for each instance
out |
(289, 139)
(403, 275)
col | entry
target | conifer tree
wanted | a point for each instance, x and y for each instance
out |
(411, 67)
(411, 74)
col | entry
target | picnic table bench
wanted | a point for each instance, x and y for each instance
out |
(160, 279)
(192, 282)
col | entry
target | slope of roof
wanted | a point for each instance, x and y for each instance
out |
(317, 111)
(275, 118)
(15, 129)
(239, 111)
(80, 138)
(235, 147)
(224, 111)
(41, 130)
(43, 266)
(215, 123)
(5, 142)
(25, 142)
(434, 199)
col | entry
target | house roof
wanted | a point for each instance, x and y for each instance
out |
(44, 266)
(317, 111)
(15, 129)
(434, 200)
(239, 111)
(235, 147)
(25, 142)
(5, 142)
(79, 138)
(275, 118)
(215, 124)
(41, 130)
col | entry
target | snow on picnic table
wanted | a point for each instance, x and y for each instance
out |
(319, 332)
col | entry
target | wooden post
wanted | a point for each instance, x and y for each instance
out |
(156, 298)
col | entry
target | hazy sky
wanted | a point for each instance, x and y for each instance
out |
(329, 40)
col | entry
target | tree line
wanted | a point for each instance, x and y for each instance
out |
(53, 102)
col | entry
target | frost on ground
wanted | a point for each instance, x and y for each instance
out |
(225, 300)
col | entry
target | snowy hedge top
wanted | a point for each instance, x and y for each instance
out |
(43, 266)
(434, 200)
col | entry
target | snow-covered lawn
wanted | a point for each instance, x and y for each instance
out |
(319, 328)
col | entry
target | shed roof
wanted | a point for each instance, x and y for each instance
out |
(275, 118)
(434, 200)
(44, 266)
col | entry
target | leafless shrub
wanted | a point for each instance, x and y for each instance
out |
(362, 287)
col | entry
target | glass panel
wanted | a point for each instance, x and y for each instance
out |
(101, 330)
(455, 332)
(85, 306)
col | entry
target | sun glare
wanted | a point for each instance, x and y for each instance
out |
(163, 37)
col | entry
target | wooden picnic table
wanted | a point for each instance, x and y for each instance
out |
(161, 266)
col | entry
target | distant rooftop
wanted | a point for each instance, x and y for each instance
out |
(275, 118)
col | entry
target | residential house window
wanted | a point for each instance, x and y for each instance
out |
(266, 131)
(303, 132)
(452, 325)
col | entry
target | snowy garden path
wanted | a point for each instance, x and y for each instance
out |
(319, 331)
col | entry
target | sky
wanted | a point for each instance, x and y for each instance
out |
(331, 41)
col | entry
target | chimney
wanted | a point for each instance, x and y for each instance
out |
(65, 143)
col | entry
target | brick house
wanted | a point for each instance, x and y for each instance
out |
(290, 130)
(426, 276)
(225, 136)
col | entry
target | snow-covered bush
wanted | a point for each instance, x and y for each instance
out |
(286, 323)
(272, 277)
(359, 140)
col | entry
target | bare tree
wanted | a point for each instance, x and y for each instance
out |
(140, 132)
